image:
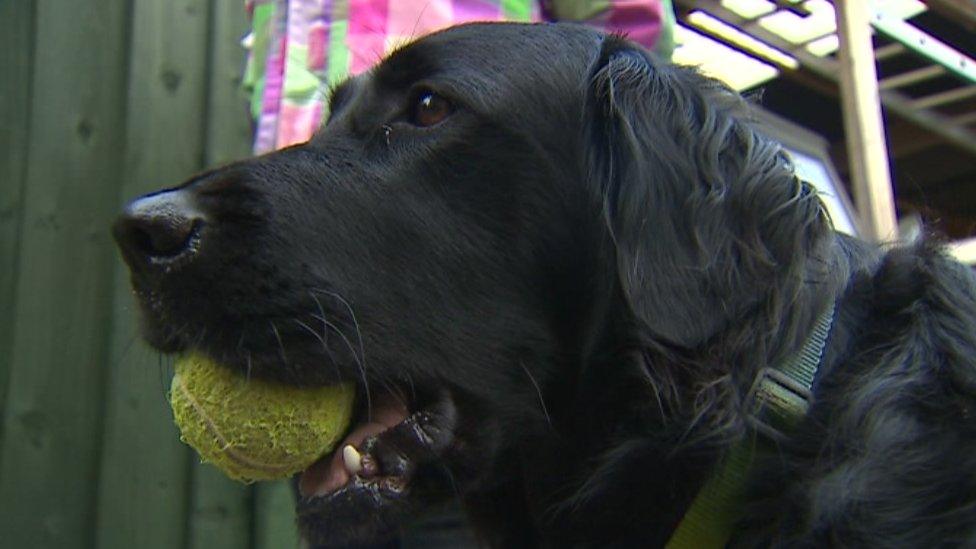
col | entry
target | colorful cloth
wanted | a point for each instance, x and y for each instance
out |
(299, 48)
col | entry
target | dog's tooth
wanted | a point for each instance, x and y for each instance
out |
(352, 459)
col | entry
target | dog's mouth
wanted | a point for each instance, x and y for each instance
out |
(352, 457)
(380, 472)
(393, 460)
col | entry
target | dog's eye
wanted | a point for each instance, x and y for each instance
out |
(430, 109)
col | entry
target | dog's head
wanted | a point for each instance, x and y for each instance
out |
(485, 215)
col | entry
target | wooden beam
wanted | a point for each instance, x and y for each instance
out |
(930, 120)
(960, 11)
(912, 77)
(944, 98)
(906, 139)
(827, 68)
(924, 44)
(863, 124)
(965, 119)
(888, 51)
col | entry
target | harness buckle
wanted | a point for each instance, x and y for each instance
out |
(777, 403)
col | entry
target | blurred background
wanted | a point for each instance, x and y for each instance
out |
(103, 100)
(787, 55)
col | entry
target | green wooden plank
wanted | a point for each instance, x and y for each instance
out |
(63, 282)
(228, 115)
(144, 485)
(274, 516)
(142, 489)
(221, 512)
(16, 51)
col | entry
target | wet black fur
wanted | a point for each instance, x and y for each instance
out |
(594, 255)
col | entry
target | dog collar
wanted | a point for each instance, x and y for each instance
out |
(779, 399)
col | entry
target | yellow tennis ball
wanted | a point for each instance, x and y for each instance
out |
(255, 429)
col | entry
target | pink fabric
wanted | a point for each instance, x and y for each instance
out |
(367, 32)
(315, 43)
(640, 20)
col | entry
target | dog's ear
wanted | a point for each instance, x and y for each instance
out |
(705, 214)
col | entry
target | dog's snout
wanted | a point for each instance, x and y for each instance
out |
(159, 226)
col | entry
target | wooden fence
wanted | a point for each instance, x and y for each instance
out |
(100, 101)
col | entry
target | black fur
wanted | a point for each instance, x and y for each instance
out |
(586, 264)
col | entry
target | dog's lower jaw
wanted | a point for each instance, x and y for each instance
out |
(400, 473)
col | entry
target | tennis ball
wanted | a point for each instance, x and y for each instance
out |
(253, 429)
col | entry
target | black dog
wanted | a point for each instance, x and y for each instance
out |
(555, 268)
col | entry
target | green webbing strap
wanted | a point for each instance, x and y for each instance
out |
(708, 522)
(781, 397)
(802, 367)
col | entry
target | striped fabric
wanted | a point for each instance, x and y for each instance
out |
(298, 48)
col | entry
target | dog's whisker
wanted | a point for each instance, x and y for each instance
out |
(325, 346)
(416, 22)
(657, 391)
(312, 331)
(250, 365)
(161, 373)
(201, 335)
(360, 364)
(281, 345)
(165, 366)
(450, 477)
(325, 330)
(355, 321)
(413, 388)
(175, 333)
(538, 392)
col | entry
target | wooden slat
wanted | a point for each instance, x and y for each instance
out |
(888, 51)
(911, 77)
(863, 125)
(944, 98)
(221, 512)
(827, 68)
(964, 119)
(962, 12)
(924, 45)
(932, 121)
(144, 489)
(16, 52)
(228, 115)
(274, 517)
(52, 420)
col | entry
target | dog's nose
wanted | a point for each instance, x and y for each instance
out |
(159, 226)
